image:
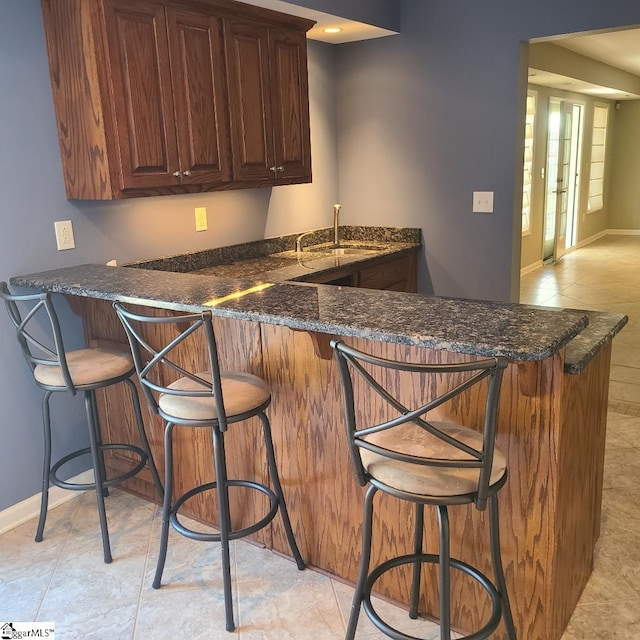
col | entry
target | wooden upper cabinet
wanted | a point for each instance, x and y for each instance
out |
(138, 52)
(144, 102)
(290, 103)
(269, 98)
(197, 63)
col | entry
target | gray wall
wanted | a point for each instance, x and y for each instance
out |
(424, 119)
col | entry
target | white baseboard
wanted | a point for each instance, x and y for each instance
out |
(590, 239)
(19, 513)
(530, 267)
(601, 234)
(624, 232)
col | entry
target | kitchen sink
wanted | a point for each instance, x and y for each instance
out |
(343, 251)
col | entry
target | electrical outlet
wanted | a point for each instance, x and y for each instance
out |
(201, 218)
(64, 235)
(483, 202)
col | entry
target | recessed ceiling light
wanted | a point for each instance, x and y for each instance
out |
(332, 30)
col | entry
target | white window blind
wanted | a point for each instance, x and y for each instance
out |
(598, 146)
(527, 182)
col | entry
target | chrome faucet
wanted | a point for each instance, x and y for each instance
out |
(336, 227)
(299, 239)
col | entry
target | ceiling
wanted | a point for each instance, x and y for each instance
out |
(619, 49)
(350, 30)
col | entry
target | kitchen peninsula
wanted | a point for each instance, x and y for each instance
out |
(552, 416)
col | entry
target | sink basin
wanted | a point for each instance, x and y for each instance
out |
(343, 251)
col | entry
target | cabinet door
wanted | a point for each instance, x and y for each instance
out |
(247, 49)
(198, 72)
(142, 92)
(392, 274)
(290, 103)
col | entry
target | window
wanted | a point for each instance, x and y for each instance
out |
(598, 143)
(527, 181)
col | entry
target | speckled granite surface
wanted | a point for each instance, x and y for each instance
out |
(601, 329)
(272, 254)
(519, 332)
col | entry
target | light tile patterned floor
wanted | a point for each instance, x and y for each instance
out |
(64, 579)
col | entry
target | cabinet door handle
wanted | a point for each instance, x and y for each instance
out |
(177, 174)
(186, 173)
(276, 169)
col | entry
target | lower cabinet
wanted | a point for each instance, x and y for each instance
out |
(391, 273)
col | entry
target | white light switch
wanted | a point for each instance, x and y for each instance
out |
(483, 202)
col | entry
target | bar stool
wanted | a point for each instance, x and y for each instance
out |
(425, 462)
(210, 399)
(55, 371)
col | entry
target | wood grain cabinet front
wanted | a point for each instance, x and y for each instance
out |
(143, 100)
(268, 87)
(167, 70)
(390, 273)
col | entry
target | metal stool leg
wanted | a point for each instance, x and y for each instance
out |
(143, 437)
(275, 479)
(225, 522)
(445, 574)
(166, 503)
(96, 422)
(365, 558)
(496, 557)
(46, 466)
(417, 550)
(98, 470)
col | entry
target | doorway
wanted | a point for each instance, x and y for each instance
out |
(562, 177)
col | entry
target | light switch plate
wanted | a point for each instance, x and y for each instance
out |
(201, 218)
(483, 202)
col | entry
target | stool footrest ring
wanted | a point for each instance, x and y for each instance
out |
(76, 486)
(233, 535)
(431, 558)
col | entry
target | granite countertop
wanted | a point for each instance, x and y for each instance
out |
(519, 332)
(601, 329)
(276, 259)
(257, 281)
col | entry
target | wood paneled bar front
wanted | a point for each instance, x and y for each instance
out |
(551, 427)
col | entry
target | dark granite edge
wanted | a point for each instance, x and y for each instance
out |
(477, 348)
(192, 292)
(318, 326)
(194, 261)
(602, 328)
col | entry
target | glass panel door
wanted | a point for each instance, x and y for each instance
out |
(563, 156)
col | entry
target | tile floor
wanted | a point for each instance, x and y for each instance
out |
(63, 579)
